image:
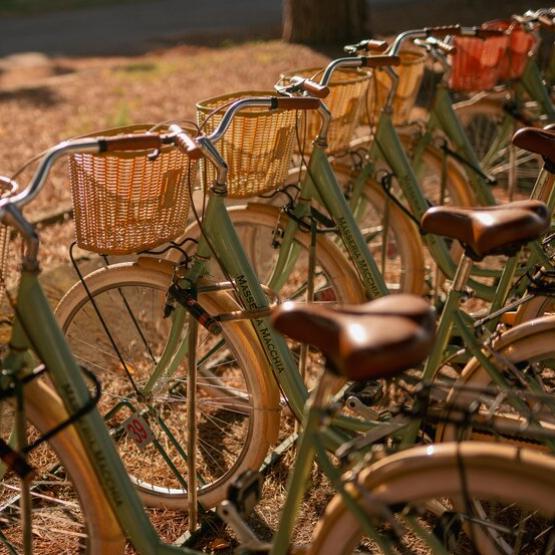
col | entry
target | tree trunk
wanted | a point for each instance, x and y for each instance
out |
(324, 21)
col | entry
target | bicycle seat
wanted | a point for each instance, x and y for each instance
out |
(484, 231)
(374, 340)
(539, 141)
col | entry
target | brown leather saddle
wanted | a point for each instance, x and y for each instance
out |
(485, 231)
(373, 340)
(538, 141)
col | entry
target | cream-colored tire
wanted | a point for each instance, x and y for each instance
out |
(419, 482)
(237, 399)
(70, 512)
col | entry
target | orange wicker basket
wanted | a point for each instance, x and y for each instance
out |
(257, 147)
(476, 63)
(347, 92)
(126, 202)
(410, 73)
(520, 46)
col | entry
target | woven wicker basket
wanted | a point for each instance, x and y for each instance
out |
(257, 147)
(476, 63)
(520, 46)
(124, 202)
(410, 72)
(347, 91)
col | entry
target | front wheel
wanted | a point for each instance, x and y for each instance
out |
(70, 511)
(506, 494)
(116, 327)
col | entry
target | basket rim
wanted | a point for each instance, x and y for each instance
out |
(417, 57)
(202, 105)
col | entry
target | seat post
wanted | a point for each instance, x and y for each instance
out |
(462, 274)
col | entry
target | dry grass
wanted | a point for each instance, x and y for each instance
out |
(88, 95)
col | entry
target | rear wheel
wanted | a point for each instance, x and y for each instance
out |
(482, 120)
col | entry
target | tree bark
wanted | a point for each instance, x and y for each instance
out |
(324, 21)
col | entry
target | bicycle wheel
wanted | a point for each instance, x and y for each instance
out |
(507, 495)
(481, 119)
(530, 350)
(70, 512)
(395, 240)
(238, 407)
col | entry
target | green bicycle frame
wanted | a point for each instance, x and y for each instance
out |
(310, 446)
(320, 183)
(36, 327)
(219, 236)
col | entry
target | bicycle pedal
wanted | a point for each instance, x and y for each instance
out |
(245, 492)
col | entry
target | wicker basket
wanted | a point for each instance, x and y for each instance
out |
(257, 147)
(124, 202)
(520, 46)
(476, 63)
(347, 92)
(410, 72)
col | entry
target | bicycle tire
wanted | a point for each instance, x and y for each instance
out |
(401, 260)
(240, 392)
(420, 478)
(529, 343)
(536, 307)
(58, 525)
(457, 186)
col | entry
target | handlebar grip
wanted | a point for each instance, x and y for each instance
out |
(373, 45)
(443, 30)
(488, 33)
(380, 61)
(312, 87)
(146, 141)
(188, 145)
(370, 45)
(546, 22)
(295, 103)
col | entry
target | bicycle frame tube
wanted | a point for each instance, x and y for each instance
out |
(533, 83)
(387, 145)
(222, 236)
(35, 318)
(310, 443)
(443, 116)
(320, 176)
(549, 73)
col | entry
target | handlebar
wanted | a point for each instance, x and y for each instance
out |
(271, 102)
(443, 31)
(368, 45)
(546, 21)
(98, 145)
(432, 44)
